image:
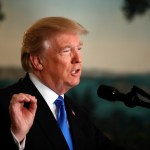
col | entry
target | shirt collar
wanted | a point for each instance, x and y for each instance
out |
(49, 95)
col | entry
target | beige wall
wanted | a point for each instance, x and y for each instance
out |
(114, 44)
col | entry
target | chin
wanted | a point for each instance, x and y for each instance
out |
(75, 83)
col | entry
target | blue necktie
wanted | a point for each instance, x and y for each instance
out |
(62, 120)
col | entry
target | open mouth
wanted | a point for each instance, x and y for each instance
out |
(75, 72)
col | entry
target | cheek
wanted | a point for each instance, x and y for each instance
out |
(61, 69)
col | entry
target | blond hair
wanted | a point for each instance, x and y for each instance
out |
(40, 31)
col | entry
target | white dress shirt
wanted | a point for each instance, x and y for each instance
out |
(48, 95)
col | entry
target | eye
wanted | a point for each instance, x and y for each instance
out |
(66, 50)
(79, 48)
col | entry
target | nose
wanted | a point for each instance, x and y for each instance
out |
(77, 58)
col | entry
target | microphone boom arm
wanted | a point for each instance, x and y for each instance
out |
(135, 97)
(132, 98)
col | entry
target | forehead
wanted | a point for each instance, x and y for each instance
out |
(64, 39)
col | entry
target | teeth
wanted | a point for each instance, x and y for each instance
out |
(74, 71)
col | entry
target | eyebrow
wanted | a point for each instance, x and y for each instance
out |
(69, 45)
(81, 43)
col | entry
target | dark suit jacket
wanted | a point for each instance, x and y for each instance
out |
(45, 133)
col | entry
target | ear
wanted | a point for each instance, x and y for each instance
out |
(36, 62)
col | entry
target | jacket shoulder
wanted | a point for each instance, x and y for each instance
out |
(11, 89)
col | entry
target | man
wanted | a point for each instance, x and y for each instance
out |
(51, 58)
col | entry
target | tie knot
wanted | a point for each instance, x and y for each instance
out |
(59, 101)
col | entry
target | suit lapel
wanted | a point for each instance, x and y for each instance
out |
(44, 117)
(76, 126)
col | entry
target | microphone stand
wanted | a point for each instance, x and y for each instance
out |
(132, 98)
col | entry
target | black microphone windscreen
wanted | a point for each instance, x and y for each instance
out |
(107, 92)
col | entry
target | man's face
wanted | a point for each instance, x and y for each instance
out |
(62, 63)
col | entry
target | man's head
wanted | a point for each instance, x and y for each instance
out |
(51, 50)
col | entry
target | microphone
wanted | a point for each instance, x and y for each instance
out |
(110, 93)
(130, 99)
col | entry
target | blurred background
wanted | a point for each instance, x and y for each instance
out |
(116, 53)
